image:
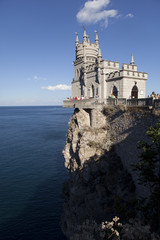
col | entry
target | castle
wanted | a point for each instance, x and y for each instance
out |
(95, 77)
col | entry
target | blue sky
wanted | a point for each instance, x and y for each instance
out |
(37, 39)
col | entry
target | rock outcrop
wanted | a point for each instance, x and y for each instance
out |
(100, 149)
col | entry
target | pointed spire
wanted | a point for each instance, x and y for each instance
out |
(88, 39)
(77, 40)
(84, 35)
(132, 60)
(96, 40)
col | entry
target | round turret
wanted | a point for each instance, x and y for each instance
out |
(86, 48)
(91, 50)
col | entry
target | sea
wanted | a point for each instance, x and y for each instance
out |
(32, 172)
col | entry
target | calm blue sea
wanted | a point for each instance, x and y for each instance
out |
(32, 172)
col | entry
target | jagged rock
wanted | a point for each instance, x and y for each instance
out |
(101, 145)
(83, 119)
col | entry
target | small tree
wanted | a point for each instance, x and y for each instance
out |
(148, 167)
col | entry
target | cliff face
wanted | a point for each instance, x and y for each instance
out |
(100, 148)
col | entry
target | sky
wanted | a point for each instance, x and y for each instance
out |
(37, 44)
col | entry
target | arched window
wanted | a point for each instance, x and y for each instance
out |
(115, 92)
(134, 92)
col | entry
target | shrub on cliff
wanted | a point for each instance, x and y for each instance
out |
(148, 168)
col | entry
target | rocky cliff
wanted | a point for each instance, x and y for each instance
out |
(100, 149)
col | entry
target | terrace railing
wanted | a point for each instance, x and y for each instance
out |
(141, 102)
(93, 102)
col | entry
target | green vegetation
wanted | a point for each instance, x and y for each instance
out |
(148, 168)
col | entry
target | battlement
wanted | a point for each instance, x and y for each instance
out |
(124, 73)
(140, 75)
(110, 64)
(86, 44)
(130, 67)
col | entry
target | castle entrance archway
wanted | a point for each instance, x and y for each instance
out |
(115, 92)
(134, 92)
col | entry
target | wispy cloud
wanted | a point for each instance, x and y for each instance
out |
(94, 11)
(130, 15)
(35, 77)
(57, 87)
(39, 78)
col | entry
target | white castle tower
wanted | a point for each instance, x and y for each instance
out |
(96, 77)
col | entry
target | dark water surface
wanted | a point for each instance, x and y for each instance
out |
(32, 171)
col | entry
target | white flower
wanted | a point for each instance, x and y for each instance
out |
(115, 219)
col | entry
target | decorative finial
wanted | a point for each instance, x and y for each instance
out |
(77, 40)
(84, 35)
(88, 38)
(132, 60)
(96, 40)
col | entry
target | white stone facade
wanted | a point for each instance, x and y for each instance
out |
(94, 76)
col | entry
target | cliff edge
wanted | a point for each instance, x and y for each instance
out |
(101, 147)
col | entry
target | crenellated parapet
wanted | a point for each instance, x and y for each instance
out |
(129, 67)
(126, 73)
(109, 66)
(90, 50)
(138, 75)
